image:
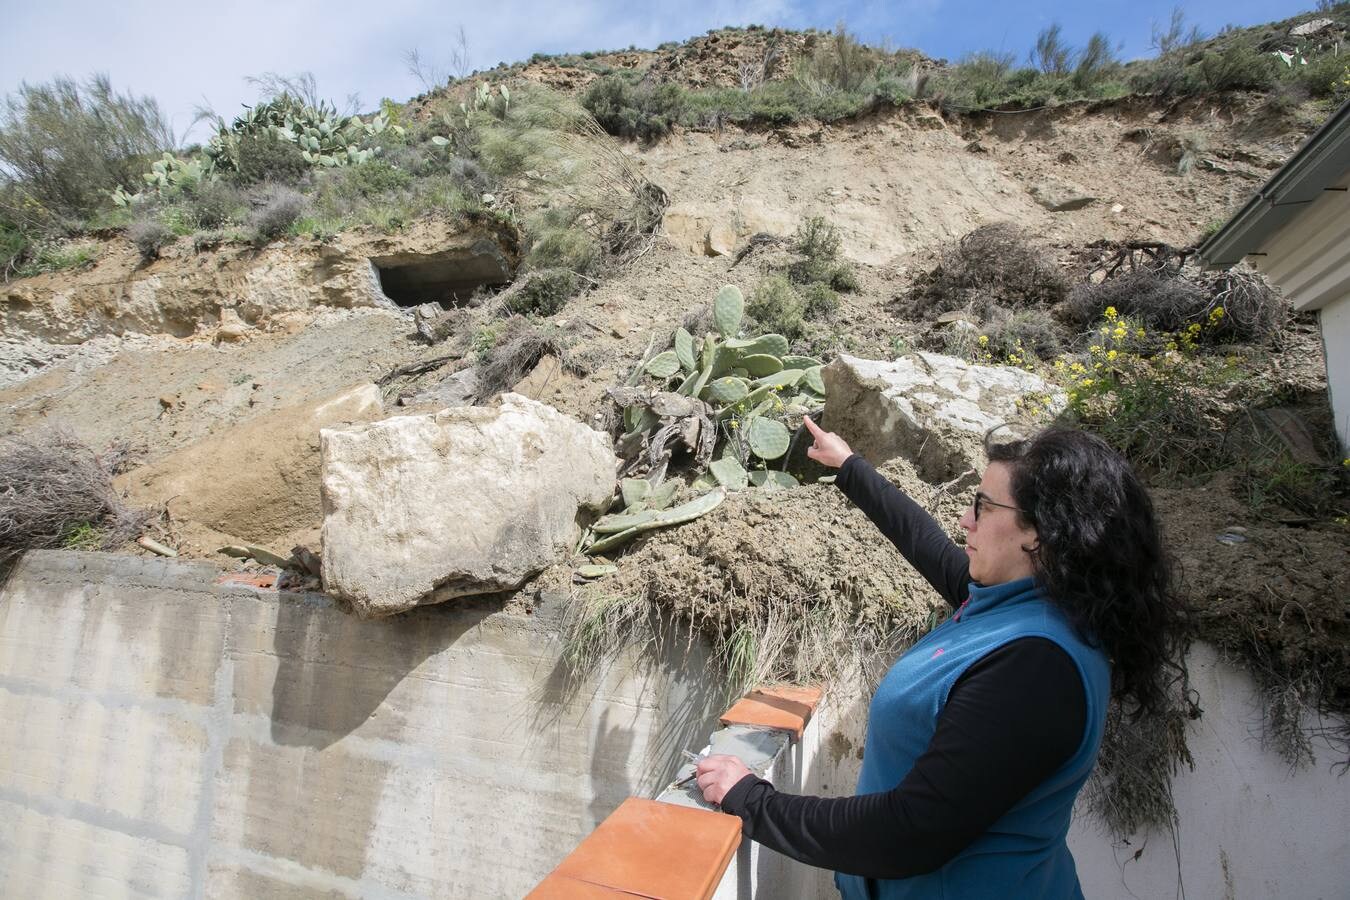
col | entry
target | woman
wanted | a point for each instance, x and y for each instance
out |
(981, 735)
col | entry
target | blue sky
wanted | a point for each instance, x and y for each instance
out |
(185, 55)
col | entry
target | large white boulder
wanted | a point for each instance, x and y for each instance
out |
(931, 409)
(419, 509)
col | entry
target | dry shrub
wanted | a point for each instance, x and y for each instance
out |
(279, 207)
(994, 264)
(1130, 789)
(517, 351)
(1166, 299)
(54, 489)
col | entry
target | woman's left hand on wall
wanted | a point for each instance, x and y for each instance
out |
(717, 774)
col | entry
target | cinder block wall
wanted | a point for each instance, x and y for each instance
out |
(166, 736)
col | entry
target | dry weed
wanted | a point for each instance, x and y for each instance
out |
(992, 265)
(55, 491)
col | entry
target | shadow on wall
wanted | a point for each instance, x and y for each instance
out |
(335, 670)
(675, 667)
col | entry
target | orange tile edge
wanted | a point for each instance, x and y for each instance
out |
(592, 869)
(783, 707)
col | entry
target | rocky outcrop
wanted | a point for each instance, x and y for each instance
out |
(420, 509)
(186, 292)
(933, 410)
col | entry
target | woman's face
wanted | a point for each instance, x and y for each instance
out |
(995, 543)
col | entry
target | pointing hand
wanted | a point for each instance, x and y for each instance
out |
(828, 449)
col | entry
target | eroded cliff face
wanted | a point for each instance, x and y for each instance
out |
(190, 289)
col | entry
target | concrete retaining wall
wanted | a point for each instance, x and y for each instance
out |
(168, 737)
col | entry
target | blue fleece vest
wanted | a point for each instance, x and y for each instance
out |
(1023, 854)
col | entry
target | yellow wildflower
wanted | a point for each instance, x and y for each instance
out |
(1111, 355)
(1141, 334)
(984, 340)
(1088, 382)
(1095, 349)
(1111, 313)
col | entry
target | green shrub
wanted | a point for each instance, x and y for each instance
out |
(1052, 55)
(1096, 63)
(261, 157)
(1270, 478)
(370, 179)
(643, 111)
(777, 306)
(57, 256)
(14, 246)
(1235, 66)
(1018, 336)
(822, 301)
(66, 146)
(214, 203)
(558, 242)
(280, 207)
(840, 61)
(544, 293)
(817, 242)
(149, 236)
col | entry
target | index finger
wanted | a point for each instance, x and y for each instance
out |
(816, 430)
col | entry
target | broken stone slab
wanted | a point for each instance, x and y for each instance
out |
(1060, 196)
(459, 389)
(934, 410)
(421, 509)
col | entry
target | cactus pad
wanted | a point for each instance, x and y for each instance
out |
(772, 481)
(769, 344)
(762, 364)
(684, 350)
(729, 473)
(727, 310)
(663, 365)
(727, 390)
(768, 437)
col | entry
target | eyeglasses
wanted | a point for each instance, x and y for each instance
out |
(981, 500)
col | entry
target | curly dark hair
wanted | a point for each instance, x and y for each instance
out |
(1100, 557)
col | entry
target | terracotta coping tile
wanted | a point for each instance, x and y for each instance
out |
(648, 849)
(560, 887)
(784, 707)
(263, 582)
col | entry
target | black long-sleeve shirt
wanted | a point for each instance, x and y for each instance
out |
(1010, 720)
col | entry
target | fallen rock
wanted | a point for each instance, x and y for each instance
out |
(546, 375)
(933, 410)
(258, 480)
(420, 509)
(1059, 196)
(232, 328)
(721, 240)
(459, 389)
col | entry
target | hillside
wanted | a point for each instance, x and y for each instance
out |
(207, 353)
